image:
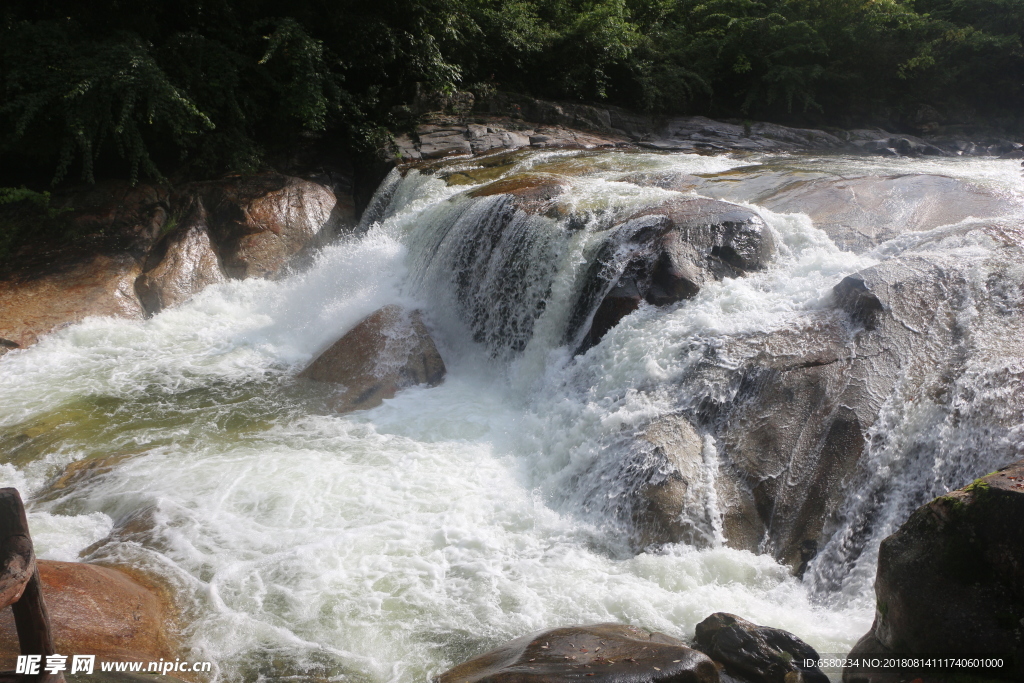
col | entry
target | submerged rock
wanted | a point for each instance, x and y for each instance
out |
(611, 653)
(663, 255)
(951, 579)
(388, 351)
(757, 654)
(96, 610)
(36, 304)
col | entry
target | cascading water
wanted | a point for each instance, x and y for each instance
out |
(389, 544)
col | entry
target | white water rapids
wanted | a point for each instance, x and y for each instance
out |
(387, 545)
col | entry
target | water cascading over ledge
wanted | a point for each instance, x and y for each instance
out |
(539, 486)
(760, 439)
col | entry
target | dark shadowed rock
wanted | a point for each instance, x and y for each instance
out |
(33, 305)
(609, 653)
(758, 654)
(968, 548)
(97, 610)
(386, 352)
(182, 264)
(664, 255)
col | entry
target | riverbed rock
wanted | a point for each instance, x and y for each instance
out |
(951, 579)
(260, 223)
(180, 265)
(611, 653)
(532, 194)
(663, 255)
(758, 654)
(789, 411)
(388, 351)
(35, 304)
(861, 213)
(97, 610)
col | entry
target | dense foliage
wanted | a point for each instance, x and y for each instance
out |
(211, 85)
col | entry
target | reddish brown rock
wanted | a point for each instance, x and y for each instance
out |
(182, 264)
(534, 194)
(96, 610)
(31, 306)
(602, 653)
(386, 352)
(258, 223)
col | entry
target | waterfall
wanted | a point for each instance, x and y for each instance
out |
(391, 543)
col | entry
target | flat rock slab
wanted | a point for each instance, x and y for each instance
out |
(96, 610)
(609, 653)
(100, 286)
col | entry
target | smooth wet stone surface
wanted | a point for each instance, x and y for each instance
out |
(388, 351)
(609, 653)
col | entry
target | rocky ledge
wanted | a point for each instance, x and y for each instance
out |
(510, 121)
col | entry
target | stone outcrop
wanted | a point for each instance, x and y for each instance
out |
(758, 654)
(388, 351)
(663, 255)
(789, 410)
(36, 304)
(457, 138)
(951, 579)
(858, 212)
(182, 264)
(611, 653)
(96, 610)
(258, 223)
(156, 249)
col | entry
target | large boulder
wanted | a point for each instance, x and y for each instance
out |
(260, 223)
(789, 411)
(180, 265)
(35, 304)
(951, 579)
(97, 610)
(663, 255)
(609, 653)
(758, 654)
(386, 352)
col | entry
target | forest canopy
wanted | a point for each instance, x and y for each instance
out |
(211, 85)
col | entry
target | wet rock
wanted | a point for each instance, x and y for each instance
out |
(612, 653)
(664, 255)
(260, 223)
(758, 654)
(97, 610)
(860, 213)
(951, 579)
(36, 304)
(533, 194)
(675, 496)
(388, 351)
(182, 264)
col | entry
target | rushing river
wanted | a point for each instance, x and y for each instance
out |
(390, 544)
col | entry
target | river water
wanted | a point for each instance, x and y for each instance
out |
(389, 544)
